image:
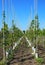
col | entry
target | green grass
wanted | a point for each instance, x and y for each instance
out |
(40, 60)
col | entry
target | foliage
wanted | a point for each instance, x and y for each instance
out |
(40, 60)
(10, 55)
(33, 31)
(43, 31)
(16, 32)
(10, 35)
(6, 32)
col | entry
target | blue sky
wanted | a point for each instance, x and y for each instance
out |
(20, 11)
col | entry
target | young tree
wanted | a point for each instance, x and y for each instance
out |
(6, 34)
(16, 32)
